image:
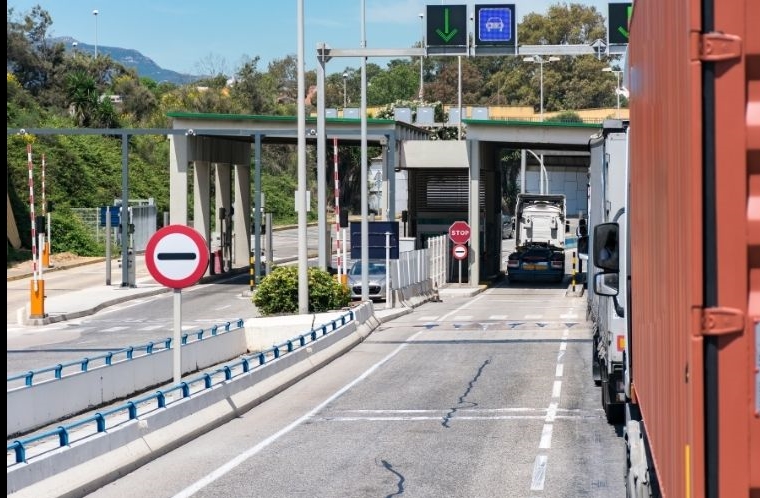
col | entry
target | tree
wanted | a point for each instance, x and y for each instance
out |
(399, 82)
(24, 36)
(83, 98)
(253, 92)
(445, 87)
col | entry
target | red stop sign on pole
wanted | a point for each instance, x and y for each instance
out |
(459, 232)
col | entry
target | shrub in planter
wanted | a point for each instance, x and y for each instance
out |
(278, 292)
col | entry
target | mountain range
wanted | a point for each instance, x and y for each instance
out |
(144, 66)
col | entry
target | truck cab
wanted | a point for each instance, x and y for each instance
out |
(539, 239)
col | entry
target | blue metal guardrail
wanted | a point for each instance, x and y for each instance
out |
(132, 409)
(106, 359)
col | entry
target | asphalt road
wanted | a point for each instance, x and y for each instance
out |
(479, 397)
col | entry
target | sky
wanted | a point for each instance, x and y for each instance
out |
(192, 36)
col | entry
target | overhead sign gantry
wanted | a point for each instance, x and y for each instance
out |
(495, 30)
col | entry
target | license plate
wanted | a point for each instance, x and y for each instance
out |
(535, 266)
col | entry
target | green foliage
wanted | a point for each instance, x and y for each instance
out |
(46, 82)
(566, 117)
(278, 292)
(71, 235)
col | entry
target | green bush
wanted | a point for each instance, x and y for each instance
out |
(69, 234)
(278, 292)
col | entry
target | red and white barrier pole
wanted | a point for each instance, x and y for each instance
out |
(338, 256)
(37, 301)
(45, 214)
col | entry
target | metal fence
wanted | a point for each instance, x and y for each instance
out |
(144, 219)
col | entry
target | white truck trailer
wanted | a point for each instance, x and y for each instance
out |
(539, 238)
(608, 180)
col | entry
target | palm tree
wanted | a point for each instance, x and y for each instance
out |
(82, 96)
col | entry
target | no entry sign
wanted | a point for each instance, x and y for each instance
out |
(176, 256)
(459, 252)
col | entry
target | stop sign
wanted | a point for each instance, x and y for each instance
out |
(459, 232)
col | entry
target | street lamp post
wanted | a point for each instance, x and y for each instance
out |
(95, 13)
(422, 45)
(345, 101)
(617, 88)
(537, 59)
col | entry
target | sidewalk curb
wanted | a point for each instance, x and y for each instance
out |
(63, 266)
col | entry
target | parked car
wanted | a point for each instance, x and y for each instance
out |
(507, 226)
(376, 270)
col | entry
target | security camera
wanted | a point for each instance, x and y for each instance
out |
(22, 131)
(312, 132)
(190, 132)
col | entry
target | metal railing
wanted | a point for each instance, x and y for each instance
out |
(110, 418)
(28, 379)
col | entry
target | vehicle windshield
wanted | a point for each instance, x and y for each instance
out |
(372, 269)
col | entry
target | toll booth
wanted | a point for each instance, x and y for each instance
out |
(439, 180)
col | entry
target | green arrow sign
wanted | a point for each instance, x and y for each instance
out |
(446, 25)
(619, 17)
(447, 33)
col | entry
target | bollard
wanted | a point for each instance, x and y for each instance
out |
(218, 266)
(37, 308)
(573, 271)
(46, 254)
(251, 271)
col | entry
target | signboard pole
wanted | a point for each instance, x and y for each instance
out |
(177, 257)
(460, 272)
(388, 303)
(108, 245)
(177, 340)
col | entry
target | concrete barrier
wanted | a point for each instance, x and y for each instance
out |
(33, 407)
(93, 462)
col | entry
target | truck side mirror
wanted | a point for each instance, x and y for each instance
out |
(606, 247)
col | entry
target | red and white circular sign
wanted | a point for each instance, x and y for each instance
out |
(176, 256)
(459, 252)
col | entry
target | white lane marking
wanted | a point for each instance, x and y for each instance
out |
(238, 460)
(551, 413)
(539, 473)
(114, 329)
(532, 317)
(466, 305)
(224, 469)
(498, 317)
(546, 437)
(569, 315)
(152, 327)
(463, 318)
(410, 418)
(552, 406)
(545, 443)
(427, 318)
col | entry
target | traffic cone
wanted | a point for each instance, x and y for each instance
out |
(436, 297)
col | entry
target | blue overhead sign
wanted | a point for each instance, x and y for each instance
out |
(376, 239)
(495, 25)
